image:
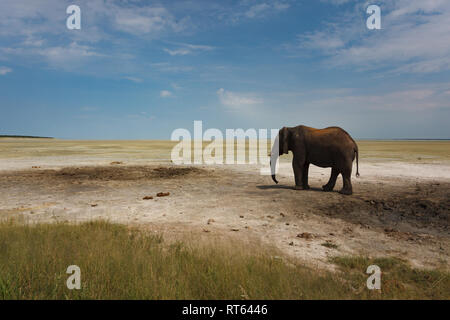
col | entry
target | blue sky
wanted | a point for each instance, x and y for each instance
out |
(141, 69)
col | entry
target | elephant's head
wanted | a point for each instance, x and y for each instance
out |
(280, 147)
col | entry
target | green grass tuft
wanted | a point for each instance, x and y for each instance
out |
(330, 245)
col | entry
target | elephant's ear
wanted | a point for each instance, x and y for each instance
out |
(284, 140)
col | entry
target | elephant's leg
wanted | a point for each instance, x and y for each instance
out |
(346, 176)
(332, 182)
(305, 176)
(298, 173)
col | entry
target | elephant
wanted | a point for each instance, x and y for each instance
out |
(329, 147)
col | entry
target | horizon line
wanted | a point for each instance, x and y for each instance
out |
(361, 139)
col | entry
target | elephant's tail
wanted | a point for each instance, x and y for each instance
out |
(357, 165)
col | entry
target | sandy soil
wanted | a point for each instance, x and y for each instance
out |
(398, 208)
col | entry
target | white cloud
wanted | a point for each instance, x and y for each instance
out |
(165, 94)
(68, 52)
(415, 98)
(249, 9)
(133, 79)
(145, 20)
(35, 32)
(321, 40)
(262, 9)
(280, 6)
(47, 17)
(186, 48)
(5, 70)
(177, 52)
(412, 38)
(64, 57)
(168, 67)
(31, 41)
(30, 17)
(335, 2)
(257, 9)
(237, 100)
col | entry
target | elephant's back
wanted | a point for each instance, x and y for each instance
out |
(329, 131)
(331, 137)
(338, 132)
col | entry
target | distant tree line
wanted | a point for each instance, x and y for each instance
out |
(17, 136)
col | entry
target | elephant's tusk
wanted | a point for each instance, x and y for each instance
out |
(274, 179)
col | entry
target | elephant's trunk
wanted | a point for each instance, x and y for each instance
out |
(273, 159)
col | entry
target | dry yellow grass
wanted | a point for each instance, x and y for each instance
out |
(411, 150)
(121, 263)
(161, 149)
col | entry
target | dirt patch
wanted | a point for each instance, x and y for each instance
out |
(421, 207)
(104, 173)
(125, 173)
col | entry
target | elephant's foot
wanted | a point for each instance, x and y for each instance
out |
(327, 188)
(347, 192)
(301, 188)
(306, 187)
